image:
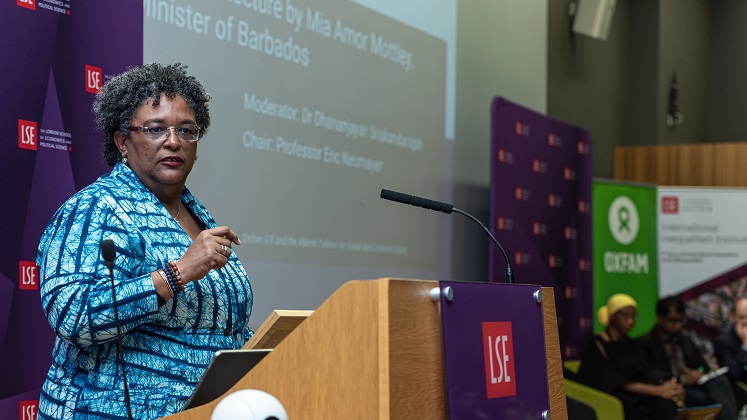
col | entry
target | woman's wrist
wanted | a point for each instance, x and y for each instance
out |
(185, 274)
(163, 289)
(173, 276)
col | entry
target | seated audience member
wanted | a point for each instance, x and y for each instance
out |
(614, 363)
(731, 349)
(671, 353)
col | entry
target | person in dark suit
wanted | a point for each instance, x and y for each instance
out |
(670, 352)
(731, 348)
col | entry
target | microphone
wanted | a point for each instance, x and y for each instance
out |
(445, 208)
(109, 252)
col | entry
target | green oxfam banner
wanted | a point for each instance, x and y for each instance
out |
(625, 258)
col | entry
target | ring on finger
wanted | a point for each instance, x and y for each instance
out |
(224, 250)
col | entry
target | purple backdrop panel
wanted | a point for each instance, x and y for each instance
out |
(494, 351)
(58, 54)
(540, 195)
(7, 288)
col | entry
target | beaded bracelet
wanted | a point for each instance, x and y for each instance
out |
(175, 278)
(177, 274)
(171, 278)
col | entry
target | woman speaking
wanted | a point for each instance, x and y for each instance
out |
(180, 292)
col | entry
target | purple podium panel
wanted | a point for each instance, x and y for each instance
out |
(494, 351)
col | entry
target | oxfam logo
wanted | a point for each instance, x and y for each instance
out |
(623, 220)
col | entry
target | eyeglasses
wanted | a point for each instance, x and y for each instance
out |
(186, 132)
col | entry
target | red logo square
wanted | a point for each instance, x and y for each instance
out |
(28, 275)
(498, 346)
(670, 205)
(94, 79)
(27, 4)
(28, 409)
(28, 135)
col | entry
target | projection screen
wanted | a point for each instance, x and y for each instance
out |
(317, 106)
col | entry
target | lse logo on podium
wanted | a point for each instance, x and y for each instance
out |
(27, 135)
(94, 78)
(498, 345)
(28, 275)
(28, 409)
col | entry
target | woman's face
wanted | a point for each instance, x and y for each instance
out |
(163, 164)
(624, 319)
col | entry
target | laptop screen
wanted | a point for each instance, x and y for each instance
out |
(224, 370)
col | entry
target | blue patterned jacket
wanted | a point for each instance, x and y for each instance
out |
(166, 349)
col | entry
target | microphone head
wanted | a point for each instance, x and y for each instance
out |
(416, 201)
(108, 250)
(396, 196)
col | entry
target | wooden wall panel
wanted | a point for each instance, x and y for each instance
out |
(708, 164)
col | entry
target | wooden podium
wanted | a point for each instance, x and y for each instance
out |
(372, 350)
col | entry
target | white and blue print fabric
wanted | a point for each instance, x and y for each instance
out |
(166, 349)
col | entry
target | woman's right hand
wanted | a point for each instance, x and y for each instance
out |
(209, 250)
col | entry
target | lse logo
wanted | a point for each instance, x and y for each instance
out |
(498, 346)
(28, 275)
(27, 135)
(94, 77)
(28, 409)
(670, 205)
(27, 4)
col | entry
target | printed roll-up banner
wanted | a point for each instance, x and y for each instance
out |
(625, 258)
(540, 209)
(703, 254)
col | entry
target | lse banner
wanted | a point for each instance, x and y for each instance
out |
(625, 258)
(58, 55)
(540, 211)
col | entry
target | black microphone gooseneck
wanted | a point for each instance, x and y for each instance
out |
(109, 252)
(445, 208)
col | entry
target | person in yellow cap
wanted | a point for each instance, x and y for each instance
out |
(614, 363)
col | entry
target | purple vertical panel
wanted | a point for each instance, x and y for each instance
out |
(7, 288)
(541, 211)
(51, 151)
(481, 382)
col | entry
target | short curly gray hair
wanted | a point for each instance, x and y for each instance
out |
(120, 97)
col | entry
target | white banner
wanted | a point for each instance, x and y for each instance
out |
(702, 232)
